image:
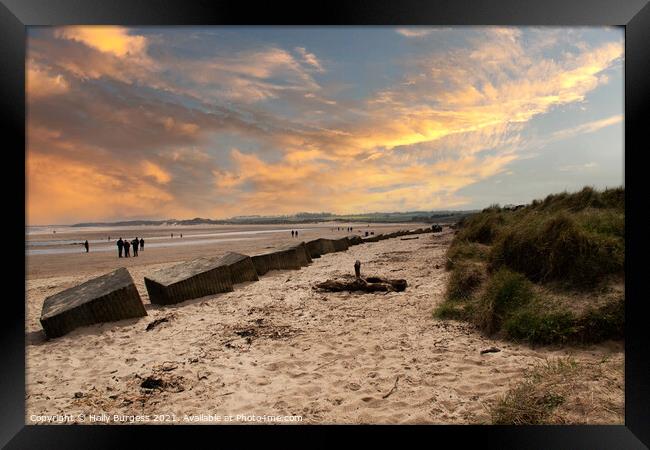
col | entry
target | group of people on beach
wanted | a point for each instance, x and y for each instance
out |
(294, 233)
(126, 246)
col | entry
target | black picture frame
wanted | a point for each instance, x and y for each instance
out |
(634, 15)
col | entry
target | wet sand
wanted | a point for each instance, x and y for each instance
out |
(278, 347)
(182, 249)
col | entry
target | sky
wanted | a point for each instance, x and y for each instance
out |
(217, 122)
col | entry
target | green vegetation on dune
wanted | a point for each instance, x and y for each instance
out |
(464, 280)
(555, 246)
(517, 272)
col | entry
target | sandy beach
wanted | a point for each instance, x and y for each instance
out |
(277, 347)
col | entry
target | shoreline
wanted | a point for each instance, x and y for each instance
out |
(177, 249)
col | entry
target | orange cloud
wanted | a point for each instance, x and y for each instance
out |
(156, 172)
(60, 189)
(412, 145)
(40, 83)
(108, 39)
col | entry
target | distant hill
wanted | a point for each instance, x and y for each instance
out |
(303, 217)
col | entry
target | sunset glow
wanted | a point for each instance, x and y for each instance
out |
(182, 122)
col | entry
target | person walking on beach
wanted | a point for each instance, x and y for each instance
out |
(86, 245)
(120, 245)
(135, 243)
(172, 235)
(126, 248)
(141, 244)
(291, 233)
(181, 235)
(296, 233)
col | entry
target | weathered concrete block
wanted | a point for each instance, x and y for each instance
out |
(241, 267)
(265, 262)
(307, 255)
(314, 248)
(326, 246)
(302, 256)
(106, 298)
(287, 258)
(191, 279)
(354, 239)
(340, 245)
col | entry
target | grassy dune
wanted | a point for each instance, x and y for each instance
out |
(548, 272)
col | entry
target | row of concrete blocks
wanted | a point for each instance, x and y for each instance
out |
(114, 296)
(381, 237)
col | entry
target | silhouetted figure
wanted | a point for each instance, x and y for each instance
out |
(120, 245)
(86, 245)
(292, 233)
(357, 268)
(181, 235)
(109, 238)
(296, 233)
(135, 243)
(126, 248)
(141, 244)
(172, 235)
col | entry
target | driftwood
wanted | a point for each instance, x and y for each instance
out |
(370, 284)
(409, 239)
(490, 350)
(155, 323)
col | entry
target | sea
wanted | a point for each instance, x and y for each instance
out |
(55, 239)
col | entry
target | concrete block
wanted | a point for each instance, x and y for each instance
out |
(107, 298)
(187, 280)
(241, 267)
